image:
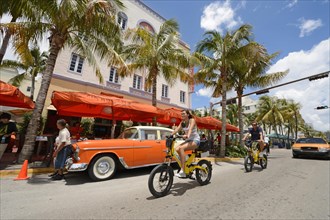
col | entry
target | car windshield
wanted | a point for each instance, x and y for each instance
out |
(311, 141)
(131, 133)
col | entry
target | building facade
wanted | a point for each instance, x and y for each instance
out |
(73, 73)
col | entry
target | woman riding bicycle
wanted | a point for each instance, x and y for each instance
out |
(191, 136)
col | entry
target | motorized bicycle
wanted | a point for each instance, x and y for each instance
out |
(253, 156)
(161, 177)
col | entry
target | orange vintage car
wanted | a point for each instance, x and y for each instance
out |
(137, 146)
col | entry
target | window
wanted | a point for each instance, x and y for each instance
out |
(28, 89)
(146, 88)
(76, 64)
(147, 26)
(149, 135)
(113, 75)
(164, 133)
(122, 20)
(247, 107)
(137, 82)
(182, 96)
(164, 90)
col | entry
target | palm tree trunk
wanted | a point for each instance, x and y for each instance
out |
(154, 97)
(33, 83)
(34, 123)
(240, 118)
(224, 116)
(296, 126)
(5, 42)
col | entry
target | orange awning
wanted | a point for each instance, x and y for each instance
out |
(83, 104)
(12, 96)
(209, 122)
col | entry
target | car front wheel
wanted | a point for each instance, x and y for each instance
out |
(103, 167)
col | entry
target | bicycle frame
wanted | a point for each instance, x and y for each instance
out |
(189, 166)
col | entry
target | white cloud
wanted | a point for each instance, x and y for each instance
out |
(307, 26)
(220, 16)
(309, 94)
(207, 92)
(291, 4)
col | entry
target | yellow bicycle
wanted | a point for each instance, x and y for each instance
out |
(253, 157)
(161, 177)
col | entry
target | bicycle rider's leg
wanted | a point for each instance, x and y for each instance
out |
(181, 149)
(261, 144)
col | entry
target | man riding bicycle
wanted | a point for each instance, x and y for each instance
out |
(256, 135)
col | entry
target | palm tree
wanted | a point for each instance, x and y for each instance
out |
(157, 54)
(217, 64)
(249, 65)
(32, 63)
(16, 9)
(269, 112)
(86, 26)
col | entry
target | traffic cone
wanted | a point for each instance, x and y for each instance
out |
(23, 173)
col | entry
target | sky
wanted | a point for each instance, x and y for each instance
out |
(297, 29)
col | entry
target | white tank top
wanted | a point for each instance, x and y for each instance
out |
(194, 134)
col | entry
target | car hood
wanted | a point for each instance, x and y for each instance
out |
(299, 145)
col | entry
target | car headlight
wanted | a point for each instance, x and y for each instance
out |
(323, 149)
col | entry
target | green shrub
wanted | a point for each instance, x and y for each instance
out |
(235, 151)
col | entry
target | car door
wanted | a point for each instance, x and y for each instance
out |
(147, 150)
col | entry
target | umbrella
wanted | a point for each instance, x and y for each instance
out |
(12, 96)
(170, 116)
(83, 104)
(213, 124)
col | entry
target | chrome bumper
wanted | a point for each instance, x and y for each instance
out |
(78, 167)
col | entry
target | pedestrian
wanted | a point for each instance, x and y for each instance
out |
(63, 148)
(76, 131)
(203, 137)
(191, 136)
(266, 140)
(8, 131)
(218, 138)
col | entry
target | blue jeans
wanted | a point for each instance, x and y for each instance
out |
(61, 157)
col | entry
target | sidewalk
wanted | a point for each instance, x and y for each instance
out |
(7, 168)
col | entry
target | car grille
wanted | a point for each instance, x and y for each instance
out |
(309, 148)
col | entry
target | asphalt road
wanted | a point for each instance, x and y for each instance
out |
(287, 189)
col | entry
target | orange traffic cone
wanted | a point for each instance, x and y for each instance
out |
(23, 173)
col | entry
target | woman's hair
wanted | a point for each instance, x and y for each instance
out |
(188, 113)
(61, 122)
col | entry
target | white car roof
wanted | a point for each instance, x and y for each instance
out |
(151, 128)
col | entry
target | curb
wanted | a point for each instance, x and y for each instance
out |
(31, 171)
(4, 173)
(216, 159)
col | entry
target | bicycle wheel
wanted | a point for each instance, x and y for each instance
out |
(248, 163)
(263, 162)
(160, 180)
(203, 177)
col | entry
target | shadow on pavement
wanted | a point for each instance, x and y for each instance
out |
(178, 189)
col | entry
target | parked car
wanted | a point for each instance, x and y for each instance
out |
(137, 146)
(311, 147)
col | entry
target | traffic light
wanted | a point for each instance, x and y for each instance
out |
(322, 107)
(319, 76)
(262, 92)
(231, 101)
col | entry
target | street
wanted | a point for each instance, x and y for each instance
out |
(288, 189)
